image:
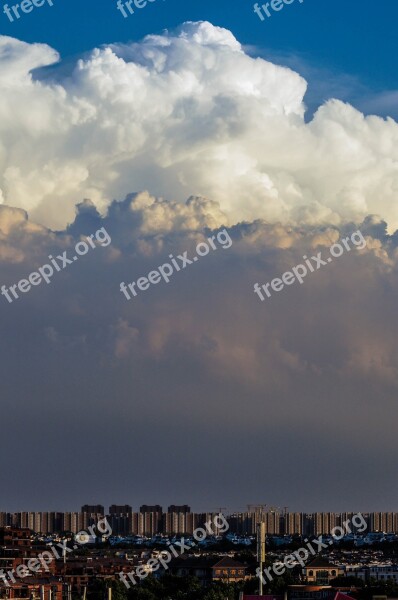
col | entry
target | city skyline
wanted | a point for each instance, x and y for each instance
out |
(153, 520)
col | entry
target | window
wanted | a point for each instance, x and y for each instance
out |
(322, 577)
(311, 573)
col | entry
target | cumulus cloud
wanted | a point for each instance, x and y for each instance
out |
(187, 113)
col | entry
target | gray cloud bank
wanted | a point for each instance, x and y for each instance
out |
(196, 390)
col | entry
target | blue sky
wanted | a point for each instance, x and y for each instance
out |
(357, 38)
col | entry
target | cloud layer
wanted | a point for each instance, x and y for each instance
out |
(186, 113)
(197, 381)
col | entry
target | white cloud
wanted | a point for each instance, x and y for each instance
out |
(181, 114)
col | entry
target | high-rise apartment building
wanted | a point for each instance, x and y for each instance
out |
(120, 509)
(120, 523)
(145, 508)
(97, 509)
(272, 523)
(293, 523)
(72, 521)
(173, 508)
(242, 523)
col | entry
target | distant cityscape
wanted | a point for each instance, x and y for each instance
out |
(152, 520)
(119, 554)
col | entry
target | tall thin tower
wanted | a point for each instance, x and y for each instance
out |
(261, 551)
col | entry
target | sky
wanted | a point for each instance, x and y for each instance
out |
(163, 129)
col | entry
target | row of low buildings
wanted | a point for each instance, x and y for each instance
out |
(75, 575)
(152, 520)
(63, 578)
(321, 571)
